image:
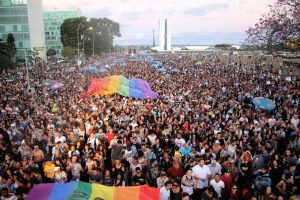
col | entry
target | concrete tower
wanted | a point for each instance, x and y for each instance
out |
(164, 35)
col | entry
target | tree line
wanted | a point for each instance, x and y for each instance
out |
(7, 51)
(100, 31)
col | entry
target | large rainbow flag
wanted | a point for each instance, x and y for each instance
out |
(86, 191)
(136, 88)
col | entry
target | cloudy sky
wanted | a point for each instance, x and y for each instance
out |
(202, 22)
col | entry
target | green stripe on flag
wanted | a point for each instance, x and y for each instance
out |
(82, 191)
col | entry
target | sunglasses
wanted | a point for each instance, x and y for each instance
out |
(175, 185)
(234, 188)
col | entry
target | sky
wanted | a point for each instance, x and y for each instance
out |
(192, 22)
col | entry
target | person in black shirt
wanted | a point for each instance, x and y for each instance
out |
(139, 178)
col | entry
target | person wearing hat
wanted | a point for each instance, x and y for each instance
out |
(215, 168)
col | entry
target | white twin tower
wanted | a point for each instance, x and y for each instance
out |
(164, 36)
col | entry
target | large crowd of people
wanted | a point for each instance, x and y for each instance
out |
(201, 139)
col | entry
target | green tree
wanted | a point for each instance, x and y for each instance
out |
(11, 48)
(103, 32)
(68, 52)
(51, 52)
(4, 56)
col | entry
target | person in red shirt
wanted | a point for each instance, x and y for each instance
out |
(110, 135)
(175, 172)
(227, 179)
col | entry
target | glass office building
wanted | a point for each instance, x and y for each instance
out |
(14, 19)
(52, 23)
(24, 19)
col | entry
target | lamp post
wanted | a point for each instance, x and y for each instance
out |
(78, 53)
(26, 65)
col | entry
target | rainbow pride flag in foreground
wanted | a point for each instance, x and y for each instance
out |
(136, 88)
(86, 191)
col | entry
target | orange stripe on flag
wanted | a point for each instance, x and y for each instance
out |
(125, 193)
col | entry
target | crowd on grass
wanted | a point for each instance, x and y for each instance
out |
(201, 139)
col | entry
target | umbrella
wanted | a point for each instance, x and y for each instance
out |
(49, 82)
(174, 70)
(199, 62)
(57, 86)
(264, 103)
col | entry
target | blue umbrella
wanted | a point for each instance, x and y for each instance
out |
(264, 103)
(174, 70)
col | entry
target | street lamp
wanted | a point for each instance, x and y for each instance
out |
(27, 71)
(78, 54)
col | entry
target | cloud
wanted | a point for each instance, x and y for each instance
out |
(203, 10)
(137, 18)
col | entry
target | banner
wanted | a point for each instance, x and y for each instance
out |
(86, 191)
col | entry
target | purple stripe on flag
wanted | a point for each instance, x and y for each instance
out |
(40, 192)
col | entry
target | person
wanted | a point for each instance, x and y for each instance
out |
(175, 172)
(107, 178)
(228, 183)
(152, 172)
(208, 194)
(162, 179)
(188, 182)
(49, 170)
(6, 195)
(201, 173)
(285, 186)
(176, 191)
(165, 191)
(215, 168)
(217, 184)
(139, 178)
(234, 194)
(96, 177)
(267, 194)
(119, 180)
(75, 168)
(60, 176)
(185, 196)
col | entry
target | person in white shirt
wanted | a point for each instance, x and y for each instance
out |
(201, 173)
(215, 168)
(179, 141)
(295, 121)
(60, 138)
(218, 184)
(165, 191)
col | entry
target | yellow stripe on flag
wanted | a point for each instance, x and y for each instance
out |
(125, 193)
(102, 191)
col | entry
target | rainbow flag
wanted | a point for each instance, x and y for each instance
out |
(136, 88)
(86, 191)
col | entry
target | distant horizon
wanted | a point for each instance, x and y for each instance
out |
(194, 39)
